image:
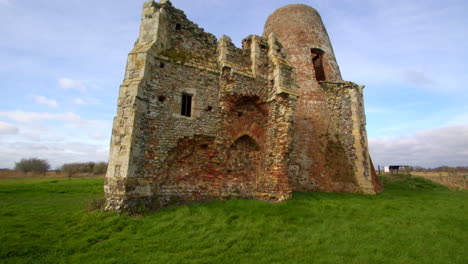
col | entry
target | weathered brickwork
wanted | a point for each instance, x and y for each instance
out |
(330, 119)
(200, 119)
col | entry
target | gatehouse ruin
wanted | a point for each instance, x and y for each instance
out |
(200, 119)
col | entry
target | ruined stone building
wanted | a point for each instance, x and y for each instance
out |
(199, 118)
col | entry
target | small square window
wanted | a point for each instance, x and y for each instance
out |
(186, 105)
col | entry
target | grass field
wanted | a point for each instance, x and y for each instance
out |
(412, 221)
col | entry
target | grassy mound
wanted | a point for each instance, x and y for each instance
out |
(412, 221)
(400, 182)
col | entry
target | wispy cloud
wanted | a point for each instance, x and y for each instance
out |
(396, 36)
(417, 77)
(57, 153)
(431, 148)
(71, 84)
(97, 136)
(69, 119)
(86, 101)
(461, 118)
(25, 117)
(45, 101)
(8, 129)
(78, 101)
(58, 137)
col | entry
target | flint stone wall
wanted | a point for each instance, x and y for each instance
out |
(260, 124)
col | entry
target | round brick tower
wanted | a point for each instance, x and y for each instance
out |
(300, 30)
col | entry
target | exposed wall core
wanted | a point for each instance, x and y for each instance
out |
(199, 118)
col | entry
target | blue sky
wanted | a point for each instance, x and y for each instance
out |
(62, 63)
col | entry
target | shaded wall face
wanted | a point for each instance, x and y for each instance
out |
(203, 167)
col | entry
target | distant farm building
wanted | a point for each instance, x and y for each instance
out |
(395, 169)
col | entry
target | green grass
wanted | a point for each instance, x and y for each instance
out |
(412, 221)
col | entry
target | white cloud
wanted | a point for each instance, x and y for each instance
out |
(69, 120)
(8, 129)
(45, 101)
(78, 101)
(58, 137)
(57, 153)
(458, 119)
(67, 83)
(393, 36)
(86, 101)
(97, 136)
(26, 117)
(431, 148)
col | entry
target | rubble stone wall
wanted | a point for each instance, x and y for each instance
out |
(237, 139)
(199, 118)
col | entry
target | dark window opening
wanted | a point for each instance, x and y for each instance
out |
(186, 105)
(161, 65)
(162, 98)
(317, 61)
(204, 146)
(178, 26)
(239, 114)
(209, 108)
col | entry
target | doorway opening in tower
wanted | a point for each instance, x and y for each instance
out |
(317, 61)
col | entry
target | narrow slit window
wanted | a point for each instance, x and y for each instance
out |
(186, 105)
(317, 62)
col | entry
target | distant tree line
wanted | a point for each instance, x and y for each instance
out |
(41, 166)
(462, 169)
(85, 167)
(32, 165)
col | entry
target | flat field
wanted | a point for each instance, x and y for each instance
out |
(412, 221)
